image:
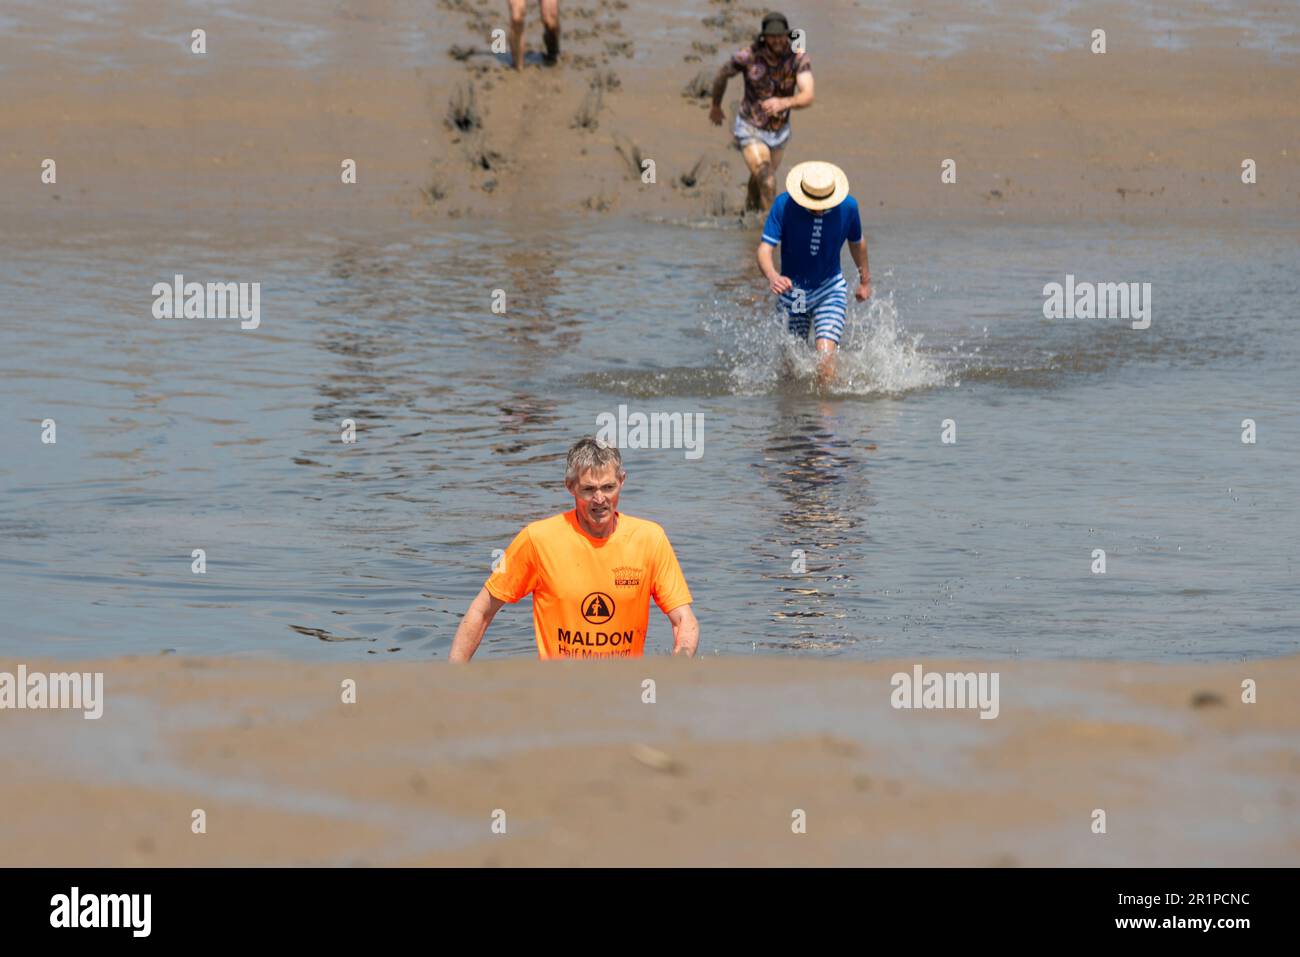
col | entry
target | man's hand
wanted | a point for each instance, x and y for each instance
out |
(686, 631)
(779, 284)
(773, 105)
(469, 632)
(715, 114)
(858, 251)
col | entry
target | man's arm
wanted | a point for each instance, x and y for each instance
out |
(686, 631)
(858, 251)
(719, 89)
(775, 281)
(469, 633)
(803, 96)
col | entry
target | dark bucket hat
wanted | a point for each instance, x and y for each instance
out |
(775, 24)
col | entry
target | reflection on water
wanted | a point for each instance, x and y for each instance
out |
(1071, 435)
(821, 479)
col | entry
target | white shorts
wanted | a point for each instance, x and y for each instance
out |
(746, 133)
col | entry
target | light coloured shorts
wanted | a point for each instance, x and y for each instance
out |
(746, 133)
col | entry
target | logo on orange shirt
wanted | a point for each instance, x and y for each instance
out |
(627, 576)
(598, 608)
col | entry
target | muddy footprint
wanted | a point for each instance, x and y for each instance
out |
(631, 154)
(691, 178)
(480, 156)
(588, 113)
(607, 80)
(462, 110)
(700, 87)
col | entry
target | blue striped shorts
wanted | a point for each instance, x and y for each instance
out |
(822, 309)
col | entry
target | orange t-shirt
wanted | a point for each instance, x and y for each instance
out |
(591, 596)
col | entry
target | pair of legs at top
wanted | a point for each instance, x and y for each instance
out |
(550, 30)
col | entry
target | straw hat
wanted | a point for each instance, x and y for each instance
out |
(815, 185)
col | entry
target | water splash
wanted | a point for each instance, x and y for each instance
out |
(876, 357)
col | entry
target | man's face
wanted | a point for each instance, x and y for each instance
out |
(595, 496)
(778, 43)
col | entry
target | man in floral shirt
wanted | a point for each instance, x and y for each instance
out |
(777, 80)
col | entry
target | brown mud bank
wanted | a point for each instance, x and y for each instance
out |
(441, 128)
(574, 764)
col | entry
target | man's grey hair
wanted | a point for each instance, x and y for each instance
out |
(591, 453)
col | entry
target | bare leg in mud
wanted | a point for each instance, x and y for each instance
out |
(550, 30)
(753, 198)
(762, 163)
(517, 32)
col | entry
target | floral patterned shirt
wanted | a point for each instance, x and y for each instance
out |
(764, 79)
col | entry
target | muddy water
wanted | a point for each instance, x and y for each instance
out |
(1071, 435)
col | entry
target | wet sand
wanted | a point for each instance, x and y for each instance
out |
(711, 773)
(256, 129)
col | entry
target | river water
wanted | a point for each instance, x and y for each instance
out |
(814, 521)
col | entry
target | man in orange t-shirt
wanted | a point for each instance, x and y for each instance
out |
(591, 571)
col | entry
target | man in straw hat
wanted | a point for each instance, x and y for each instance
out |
(777, 80)
(810, 221)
